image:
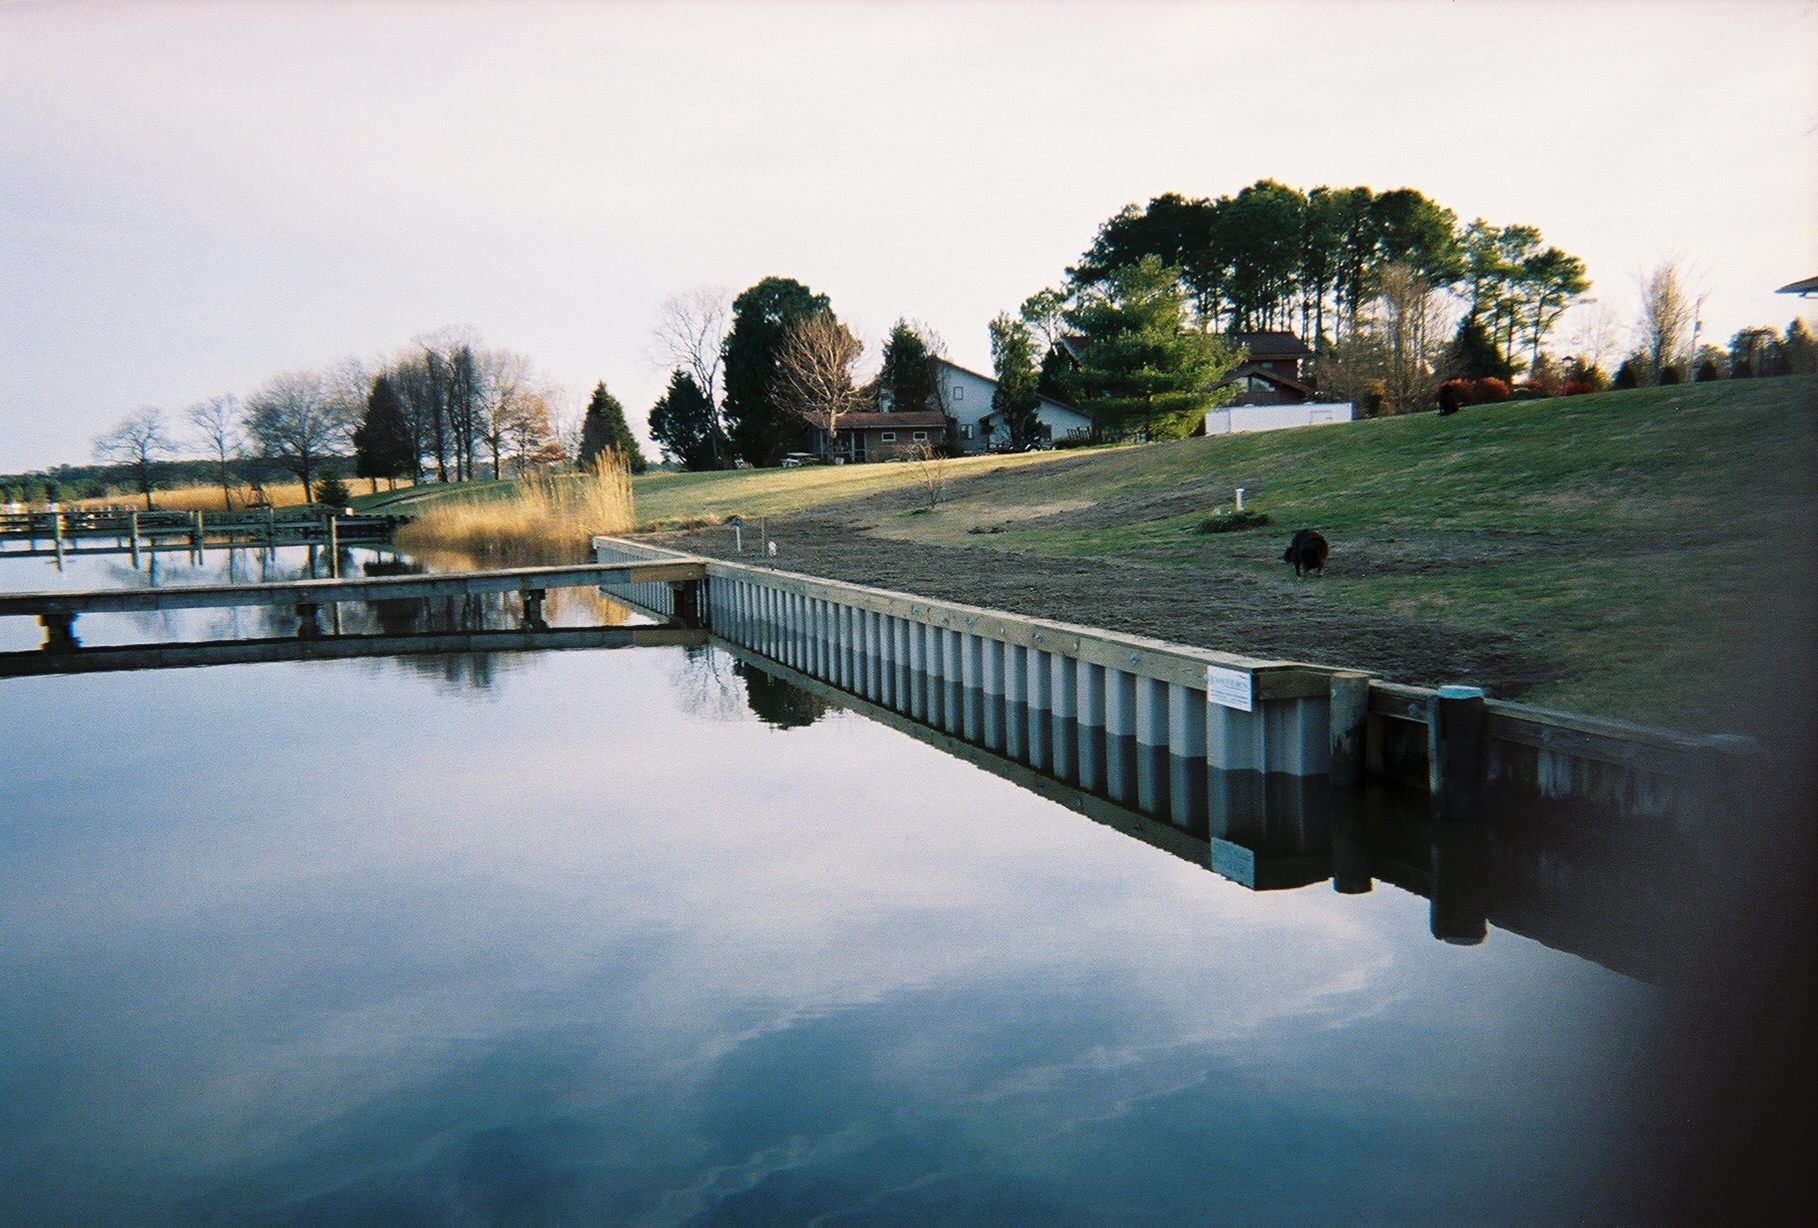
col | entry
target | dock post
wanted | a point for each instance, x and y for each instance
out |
(59, 630)
(135, 541)
(196, 535)
(1457, 752)
(1350, 700)
(271, 527)
(307, 626)
(334, 547)
(57, 528)
(533, 609)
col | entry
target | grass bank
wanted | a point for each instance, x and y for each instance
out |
(1661, 545)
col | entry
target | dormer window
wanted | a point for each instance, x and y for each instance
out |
(959, 392)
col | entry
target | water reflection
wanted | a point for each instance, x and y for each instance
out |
(578, 954)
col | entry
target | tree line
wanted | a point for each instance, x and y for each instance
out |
(446, 408)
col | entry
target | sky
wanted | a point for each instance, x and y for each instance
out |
(194, 197)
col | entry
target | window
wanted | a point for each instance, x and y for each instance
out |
(959, 392)
(888, 437)
(965, 430)
(919, 436)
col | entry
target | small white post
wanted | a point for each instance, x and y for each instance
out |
(1240, 498)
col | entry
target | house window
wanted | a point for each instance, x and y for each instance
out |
(965, 430)
(959, 392)
(888, 437)
(919, 437)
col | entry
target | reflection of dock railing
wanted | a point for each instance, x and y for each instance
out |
(1141, 720)
(63, 652)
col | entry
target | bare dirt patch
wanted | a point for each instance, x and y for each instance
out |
(1217, 607)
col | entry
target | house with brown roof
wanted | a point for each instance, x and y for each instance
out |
(1270, 372)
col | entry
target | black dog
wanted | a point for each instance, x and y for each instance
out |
(1307, 552)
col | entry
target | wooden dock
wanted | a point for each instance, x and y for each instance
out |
(113, 531)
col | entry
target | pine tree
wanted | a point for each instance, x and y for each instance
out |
(908, 373)
(605, 427)
(760, 428)
(1140, 370)
(684, 424)
(383, 446)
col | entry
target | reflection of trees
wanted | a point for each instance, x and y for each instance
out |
(782, 705)
(704, 683)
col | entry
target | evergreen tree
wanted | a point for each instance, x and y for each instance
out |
(1625, 375)
(605, 427)
(908, 374)
(383, 443)
(759, 427)
(1473, 354)
(1016, 396)
(1140, 369)
(685, 426)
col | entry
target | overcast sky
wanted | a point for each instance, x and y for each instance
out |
(196, 196)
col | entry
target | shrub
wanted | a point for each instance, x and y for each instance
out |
(1233, 521)
(1374, 396)
(1626, 377)
(1527, 392)
(1670, 375)
(1708, 372)
(1578, 387)
(1488, 391)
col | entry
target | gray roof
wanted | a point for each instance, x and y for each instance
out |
(1802, 288)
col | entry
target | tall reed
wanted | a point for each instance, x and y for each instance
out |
(542, 521)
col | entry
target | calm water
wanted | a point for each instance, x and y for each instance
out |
(584, 939)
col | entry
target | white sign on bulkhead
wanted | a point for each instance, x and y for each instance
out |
(1232, 688)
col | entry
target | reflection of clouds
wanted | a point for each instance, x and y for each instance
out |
(326, 933)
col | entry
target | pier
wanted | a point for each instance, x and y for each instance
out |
(113, 531)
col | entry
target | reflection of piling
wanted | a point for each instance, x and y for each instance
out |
(1461, 889)
(1457, 752)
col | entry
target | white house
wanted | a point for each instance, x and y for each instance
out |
(966, 397)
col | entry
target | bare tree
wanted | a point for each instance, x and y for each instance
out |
(1410, 329)
(504, 389)
(1666, 314)
(814, 374)
(137, 441)
(528, 428)
(690, 333)
(218, 420)
(296, 419)
(930, 461)
(1594, 334)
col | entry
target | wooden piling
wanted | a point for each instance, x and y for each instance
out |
(1350, 707)
(1458, 752)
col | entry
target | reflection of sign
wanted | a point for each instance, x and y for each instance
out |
(1230, 688)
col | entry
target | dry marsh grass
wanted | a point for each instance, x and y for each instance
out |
(201, 498)
(543, 522)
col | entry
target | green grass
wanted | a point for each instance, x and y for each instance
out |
(1655, 542)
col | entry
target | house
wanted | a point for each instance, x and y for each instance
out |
(882, 435)
(966, 396)
(1270, 372)
(965, 420)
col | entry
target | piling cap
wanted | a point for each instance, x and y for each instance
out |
(1461, 692)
